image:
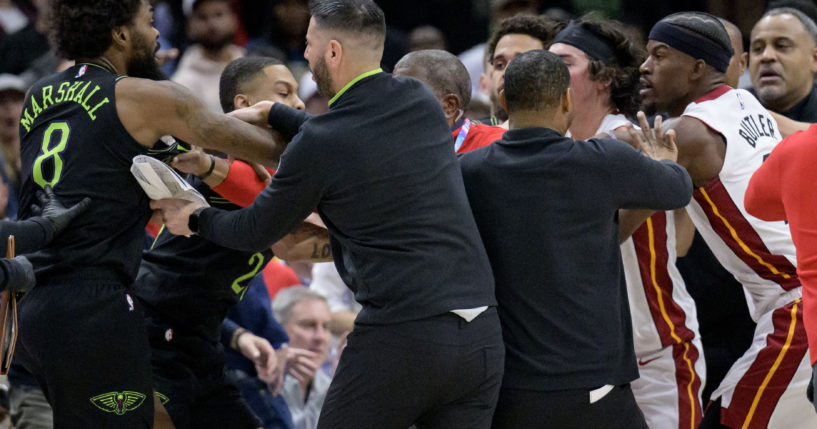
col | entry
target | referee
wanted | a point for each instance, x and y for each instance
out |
(379, 168)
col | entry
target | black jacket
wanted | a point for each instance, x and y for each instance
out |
(381, 170)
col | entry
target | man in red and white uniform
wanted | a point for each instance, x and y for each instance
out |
(723, 136)
(665, 326)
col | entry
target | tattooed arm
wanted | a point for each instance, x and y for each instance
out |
(150, 109)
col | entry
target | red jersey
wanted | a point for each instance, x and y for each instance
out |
(469, 136)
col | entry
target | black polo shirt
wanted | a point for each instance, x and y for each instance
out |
(546, 208)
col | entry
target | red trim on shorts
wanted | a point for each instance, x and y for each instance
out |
(787, 274)
(690, 412)
(676, 315)
(753, 380)
(715, 93)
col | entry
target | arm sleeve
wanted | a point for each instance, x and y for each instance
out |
(286, 120)
(763, 198)
(228, 327)
(644, 183)
(241, 185)
(30, 235)
(295, 190)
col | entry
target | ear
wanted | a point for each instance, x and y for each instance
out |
(698, 69)
(241, 101)
(567, 101)
(333, 53)
(744, 62)
(451, 105)
(120, 36)
(502, 101)
(483, 83)
(814, 60)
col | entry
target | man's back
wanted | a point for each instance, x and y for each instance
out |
(73, 140)
(546, 208)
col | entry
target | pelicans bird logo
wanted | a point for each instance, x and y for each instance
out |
(118, 402)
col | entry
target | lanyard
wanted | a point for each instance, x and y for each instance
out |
(466, 125)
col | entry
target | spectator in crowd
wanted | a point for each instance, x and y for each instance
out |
(512, 37)
(211, 26)
(27, 52)
(448, 79)
(13, 17)
(426, 37)
(12, 95)
(782, 63)
(253, 316)
(305, 316)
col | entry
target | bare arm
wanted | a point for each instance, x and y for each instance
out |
(788, 126)
(150, 109)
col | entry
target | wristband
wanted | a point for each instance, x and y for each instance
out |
(210, 170)
(236, 335)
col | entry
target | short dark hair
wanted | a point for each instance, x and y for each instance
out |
(808, 23)
(444, 72)
(535, 80)
(361, 17)
(538, 27)
(237, 73)
(622, 69)
(82, 28)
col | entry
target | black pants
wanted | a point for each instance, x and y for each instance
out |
(441, 372)
(85, 343)
(566, 409)
(188, 376)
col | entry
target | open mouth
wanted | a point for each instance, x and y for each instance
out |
(768, 76)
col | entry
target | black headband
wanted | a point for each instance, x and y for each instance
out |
(588, 42)
(692, 44)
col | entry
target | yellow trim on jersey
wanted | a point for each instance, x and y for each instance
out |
(777, 362)
(653, 258)
(739, 241)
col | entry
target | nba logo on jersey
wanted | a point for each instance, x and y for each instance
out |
(130, 302)
(81, 71)
(740, 100)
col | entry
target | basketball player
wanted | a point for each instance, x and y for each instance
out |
(723, 136)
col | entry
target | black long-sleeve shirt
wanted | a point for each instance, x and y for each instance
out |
(380, 168)
(29, 236)
(546, 208)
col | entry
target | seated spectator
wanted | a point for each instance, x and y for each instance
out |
(305, 317)
(12, 96)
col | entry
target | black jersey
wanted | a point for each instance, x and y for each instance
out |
(192, 282)
(73, 140)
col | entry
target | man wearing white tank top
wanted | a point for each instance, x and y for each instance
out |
(604, 75)
(723, 136)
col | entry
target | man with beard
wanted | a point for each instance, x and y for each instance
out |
(80, 130)
(426, 347)
(724, 135)
(211, 25)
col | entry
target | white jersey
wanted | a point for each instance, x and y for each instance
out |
(759, 254)
(662, 311)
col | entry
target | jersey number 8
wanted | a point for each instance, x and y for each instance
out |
(51, 152)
